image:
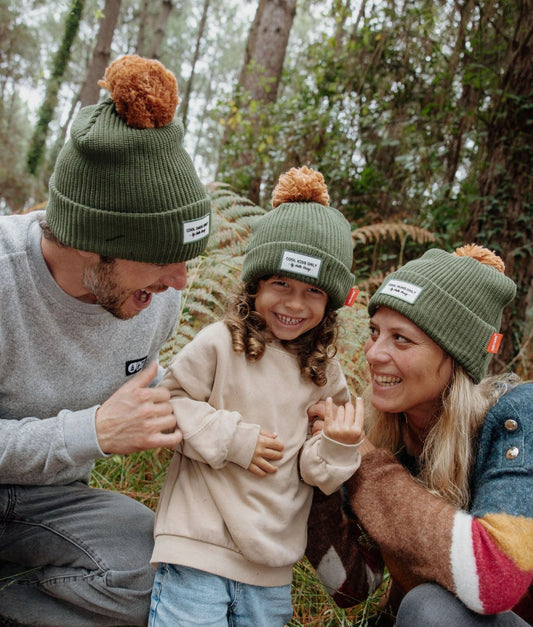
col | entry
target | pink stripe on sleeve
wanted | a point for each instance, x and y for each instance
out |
(501, 582)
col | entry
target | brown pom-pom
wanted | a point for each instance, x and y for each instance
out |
(301, 185)
(145, 93)
(481, 254)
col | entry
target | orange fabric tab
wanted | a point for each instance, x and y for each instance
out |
(352, 295)
(494, 343)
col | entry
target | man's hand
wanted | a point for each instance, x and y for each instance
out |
(268, 447)
(137, 417)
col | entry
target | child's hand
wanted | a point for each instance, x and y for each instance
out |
(344, 423)
(268, 447)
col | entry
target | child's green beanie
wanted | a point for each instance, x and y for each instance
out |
(302, 238)
(457, 299)
(123, 185)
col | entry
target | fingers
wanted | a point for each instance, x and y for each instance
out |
(137, 417)
(318, 426)
(262, 468)
(268, 445)
(143, 378)
(168, 440)
(332, 413)
(316, 411)
(344, 423)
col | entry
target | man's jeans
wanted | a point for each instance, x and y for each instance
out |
(74, 556)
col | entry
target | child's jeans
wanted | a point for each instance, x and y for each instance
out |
(183, 597)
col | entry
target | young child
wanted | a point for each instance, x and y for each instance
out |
(231, 521)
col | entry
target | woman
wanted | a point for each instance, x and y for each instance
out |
(444, 494)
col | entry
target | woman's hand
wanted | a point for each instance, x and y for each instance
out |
(315, 414)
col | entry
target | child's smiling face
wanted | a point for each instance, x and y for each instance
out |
(290, 307)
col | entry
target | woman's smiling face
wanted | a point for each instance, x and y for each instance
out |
(290, 307)
(409, 371)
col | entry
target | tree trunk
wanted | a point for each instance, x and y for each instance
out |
(266, 48)
(59, 64)
(160, 26)
(101, 54)
(144, 27)
(258, 85)
(502, 217)
(188, 89)
(152, 27)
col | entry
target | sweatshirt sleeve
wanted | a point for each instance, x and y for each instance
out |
(55, 450)
(211, 435)
(327, 464)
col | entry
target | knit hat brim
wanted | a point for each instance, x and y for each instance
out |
(303, 263)
(164, 237)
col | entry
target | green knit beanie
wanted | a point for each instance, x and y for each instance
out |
(456, 299)
(302, 237)
(123, 185)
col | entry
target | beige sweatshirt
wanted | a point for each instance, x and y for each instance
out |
(213, 514)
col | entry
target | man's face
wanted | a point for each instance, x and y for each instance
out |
(125, 288)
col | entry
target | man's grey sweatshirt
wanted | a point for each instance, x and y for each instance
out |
(60, 359)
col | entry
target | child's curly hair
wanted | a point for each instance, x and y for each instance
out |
(250, 335)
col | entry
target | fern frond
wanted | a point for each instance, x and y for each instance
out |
(216, 273)
(392, 230)
(353, 333)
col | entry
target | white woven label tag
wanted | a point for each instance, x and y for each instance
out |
(403, 290)
(195, 229)
(300, 264)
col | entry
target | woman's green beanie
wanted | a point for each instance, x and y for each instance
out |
(303, 237)
(457, 299)
(123, 185)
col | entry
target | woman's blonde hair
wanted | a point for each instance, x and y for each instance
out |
(450, 446)
(250, 335)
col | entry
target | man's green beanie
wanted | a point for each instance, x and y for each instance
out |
(302, 238)
(123, 185)
(457, 299)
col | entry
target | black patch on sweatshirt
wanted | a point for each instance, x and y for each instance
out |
(135, 366)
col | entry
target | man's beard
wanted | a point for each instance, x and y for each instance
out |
(100, 281)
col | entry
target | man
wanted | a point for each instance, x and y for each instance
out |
(86, 306)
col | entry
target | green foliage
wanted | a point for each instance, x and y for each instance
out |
(61, 58)
(216, 273)
(19, 69)
(417, 114)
